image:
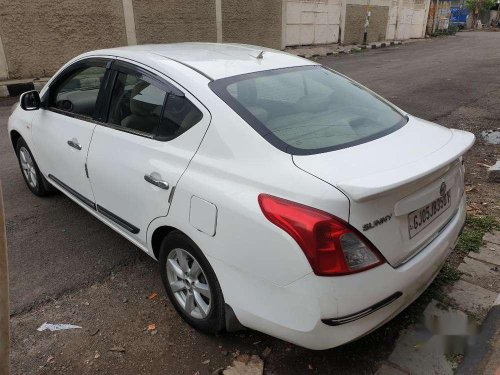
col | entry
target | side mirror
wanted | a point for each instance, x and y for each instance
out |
(30, 101)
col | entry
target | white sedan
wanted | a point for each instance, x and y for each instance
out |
(276, 194)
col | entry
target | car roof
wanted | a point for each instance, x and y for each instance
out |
(213, 60)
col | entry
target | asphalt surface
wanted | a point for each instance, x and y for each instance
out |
(56, 248)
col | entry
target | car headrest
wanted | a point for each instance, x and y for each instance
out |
(137, 106)
(246, 92)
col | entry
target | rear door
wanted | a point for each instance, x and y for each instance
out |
(150, 132)
(62, 131)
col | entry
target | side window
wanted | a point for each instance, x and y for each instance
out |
(77, 93)
(179, 115)
(136, 104)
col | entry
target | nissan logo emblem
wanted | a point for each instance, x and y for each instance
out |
(442, 189)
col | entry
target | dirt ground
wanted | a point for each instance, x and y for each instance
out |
(66, 267)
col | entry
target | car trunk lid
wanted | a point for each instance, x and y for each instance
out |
(403, 188)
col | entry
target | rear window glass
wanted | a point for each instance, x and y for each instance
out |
(308, 109)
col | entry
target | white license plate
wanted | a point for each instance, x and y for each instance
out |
(419, 219)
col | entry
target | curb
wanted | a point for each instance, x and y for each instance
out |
(383, 44)
(310, 52)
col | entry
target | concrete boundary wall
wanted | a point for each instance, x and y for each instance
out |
(255, 22)
(37, 37)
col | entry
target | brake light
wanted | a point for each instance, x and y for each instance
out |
(331, 246)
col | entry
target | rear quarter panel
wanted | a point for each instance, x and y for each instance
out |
(232, 167)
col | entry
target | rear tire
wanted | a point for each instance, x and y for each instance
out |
(191, 284)
(34, 179)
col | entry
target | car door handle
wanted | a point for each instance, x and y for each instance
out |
(156, 181)
(74, 143)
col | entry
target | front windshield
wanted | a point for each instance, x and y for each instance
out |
(309, 108)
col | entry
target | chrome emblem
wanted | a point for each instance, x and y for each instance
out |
(442, 189)
(377, 222)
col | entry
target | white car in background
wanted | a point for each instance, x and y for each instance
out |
(276, 194)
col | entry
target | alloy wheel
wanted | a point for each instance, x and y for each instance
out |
(28, 167)
(188, 283)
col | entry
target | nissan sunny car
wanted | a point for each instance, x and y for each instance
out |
(275, 193)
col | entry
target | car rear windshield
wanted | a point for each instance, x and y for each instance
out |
(308, 110)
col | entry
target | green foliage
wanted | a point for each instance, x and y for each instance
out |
(482, 223)
(477, 5)
(448, 275)
(475, 228)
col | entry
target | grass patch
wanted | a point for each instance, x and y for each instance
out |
(475, 228)
(448, 275)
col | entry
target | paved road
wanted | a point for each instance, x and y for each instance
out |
(56, 248)
(54, 245)
(429, 79)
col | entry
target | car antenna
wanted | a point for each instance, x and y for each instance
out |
(260, 55)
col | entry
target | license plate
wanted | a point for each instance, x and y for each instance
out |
(419, 219)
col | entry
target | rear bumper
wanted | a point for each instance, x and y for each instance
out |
(297, 313)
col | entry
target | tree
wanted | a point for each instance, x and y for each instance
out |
(476, 6)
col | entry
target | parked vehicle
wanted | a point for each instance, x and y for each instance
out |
(275, 193)
(458, 16)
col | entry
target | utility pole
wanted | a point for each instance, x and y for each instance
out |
(367, 23)
(4, 296)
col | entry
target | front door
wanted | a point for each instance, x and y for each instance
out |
(137, 157)
(63, 130)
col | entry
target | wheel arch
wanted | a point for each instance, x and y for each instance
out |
(232, 324)
(157, 237)
(14, 137)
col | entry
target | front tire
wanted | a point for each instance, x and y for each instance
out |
(191, 284)
(34, 179)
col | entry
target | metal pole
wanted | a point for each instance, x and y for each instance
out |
(367, 23)
(4, 296)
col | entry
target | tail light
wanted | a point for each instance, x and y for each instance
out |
(331, 246)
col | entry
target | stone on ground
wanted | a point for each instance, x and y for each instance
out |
(480, 273)
(416, 353)
(489, 253)
(421, 349)
(472, 298)
(492, 237)
(246, 365)
(494, 172)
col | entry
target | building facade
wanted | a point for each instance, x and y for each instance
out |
(352, 21)
(38, 36)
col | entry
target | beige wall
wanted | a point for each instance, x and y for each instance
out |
(355, 21)
(252, 22)
(166, 21)
(378, 23)
(39, 36)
